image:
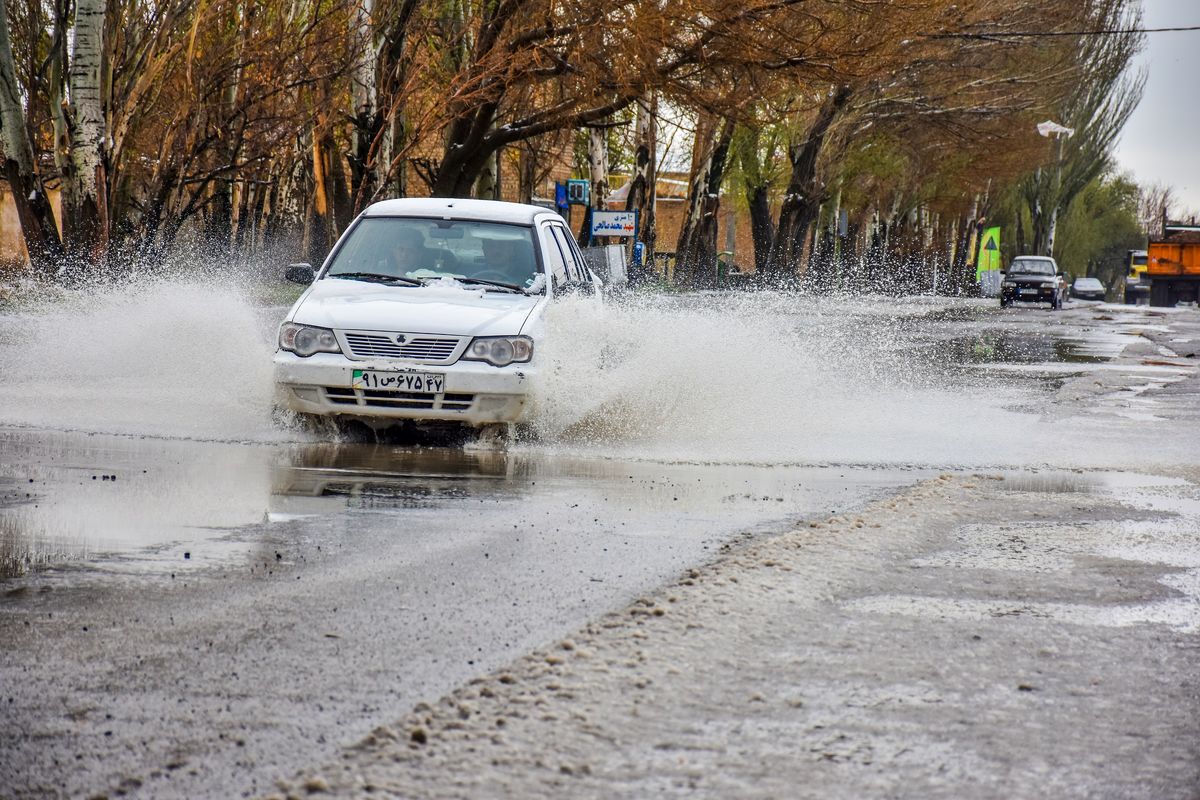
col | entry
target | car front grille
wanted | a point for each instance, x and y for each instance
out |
(344, 395)
(429, 349)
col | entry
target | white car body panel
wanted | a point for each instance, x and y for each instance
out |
(476, 393)
(459, 310)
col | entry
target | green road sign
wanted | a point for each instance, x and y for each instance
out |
(989, 252)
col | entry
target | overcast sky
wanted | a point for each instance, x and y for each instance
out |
(1161, 143)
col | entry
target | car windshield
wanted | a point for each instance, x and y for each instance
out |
(420, 249)
(1088, 283)
(1032, 266)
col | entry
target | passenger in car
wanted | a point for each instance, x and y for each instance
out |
(410, 254)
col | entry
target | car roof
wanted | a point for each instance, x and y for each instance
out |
(1033, 258)
(459, 208)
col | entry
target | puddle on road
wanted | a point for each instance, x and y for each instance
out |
(146, 505)
(1015, 347)
(1049, 482)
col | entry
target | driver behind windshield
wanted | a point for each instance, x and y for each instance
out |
(506, 260)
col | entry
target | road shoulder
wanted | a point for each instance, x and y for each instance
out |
(975, 636)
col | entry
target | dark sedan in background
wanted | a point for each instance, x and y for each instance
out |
(1033, 279)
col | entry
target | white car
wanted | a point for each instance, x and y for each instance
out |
(426, 312)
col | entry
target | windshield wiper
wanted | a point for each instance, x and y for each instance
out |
(512, 287)
(377, 277)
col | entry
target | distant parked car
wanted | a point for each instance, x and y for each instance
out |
(1088, 289)
(1033, 279)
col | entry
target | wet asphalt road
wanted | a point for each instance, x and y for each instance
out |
(198, 618)
(332, 587)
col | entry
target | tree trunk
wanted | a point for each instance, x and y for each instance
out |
(762, 227)
(487, 185)
(598, 178)
(464, 156)
(320, 217)
(696, 253)
(756, 183)
(802, 202)
(16, 158)
(526, 173)
(598, 165)
(643, 189)
(364, 112)
(84, 195)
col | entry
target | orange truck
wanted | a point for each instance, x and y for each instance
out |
(1173, 265)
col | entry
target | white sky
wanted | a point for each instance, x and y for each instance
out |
(1161, 142)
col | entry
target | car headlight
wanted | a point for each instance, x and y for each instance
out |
(500, 351)
(1008, 284)
(304, 340)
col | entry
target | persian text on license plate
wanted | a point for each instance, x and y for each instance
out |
(1029, 291)
(430, 382)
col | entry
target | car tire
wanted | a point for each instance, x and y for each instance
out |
(353, 431)
(496, 436)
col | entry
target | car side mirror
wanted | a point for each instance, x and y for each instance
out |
(302, 273)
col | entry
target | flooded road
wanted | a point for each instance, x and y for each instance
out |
(173, 559)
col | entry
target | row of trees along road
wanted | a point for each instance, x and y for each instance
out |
(236, 123)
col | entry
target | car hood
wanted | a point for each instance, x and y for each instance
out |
(444, 307)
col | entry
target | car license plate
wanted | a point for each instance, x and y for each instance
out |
(431, 382)
(1029, 291)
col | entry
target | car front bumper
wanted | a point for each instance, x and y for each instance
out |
(1026, 295)
(475, 393)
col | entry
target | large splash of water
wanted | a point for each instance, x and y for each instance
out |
(173, 358)
(759, 378)
(782, 378)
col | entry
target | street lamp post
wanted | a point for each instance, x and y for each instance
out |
(1059, 132)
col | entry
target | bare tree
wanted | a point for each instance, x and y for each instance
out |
(643, 189)
(1097, 109)
(696, 252)
(16, 155)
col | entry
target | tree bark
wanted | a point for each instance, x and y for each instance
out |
(364, 90)
(16, 156)
(526, 174)
(644, 187)
(696, 253)
(84, 195)
(320, 218)
(487, 185)
(802, 202)
(598, 178)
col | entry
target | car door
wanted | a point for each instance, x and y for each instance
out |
(561, 245)
(556, 262)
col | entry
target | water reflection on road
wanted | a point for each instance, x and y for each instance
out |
(155, 505)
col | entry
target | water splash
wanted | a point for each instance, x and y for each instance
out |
(782, 378)
(158, 357)
(763, 378)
